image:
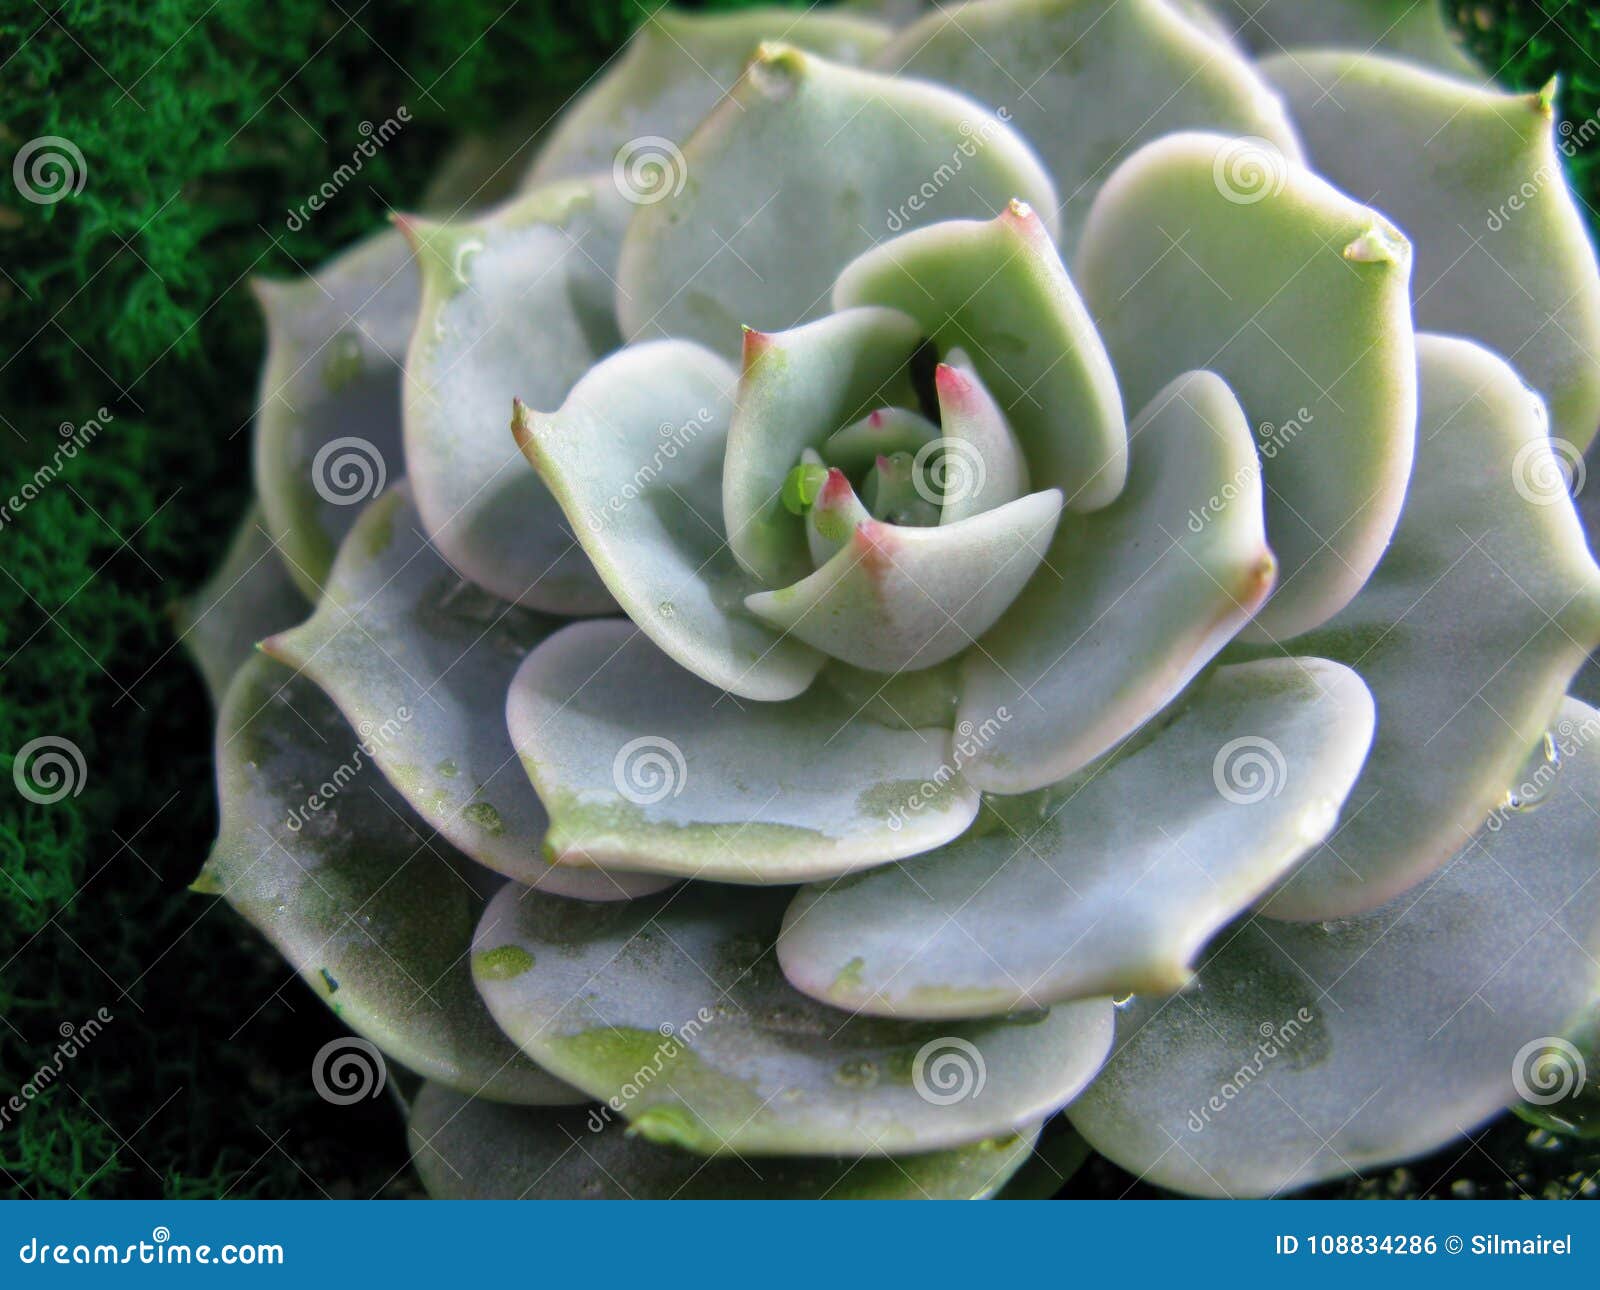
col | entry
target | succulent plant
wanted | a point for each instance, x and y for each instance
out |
(1032, 570)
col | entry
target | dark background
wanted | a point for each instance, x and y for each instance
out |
(200, 125)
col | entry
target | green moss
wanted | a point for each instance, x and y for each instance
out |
(501, 963)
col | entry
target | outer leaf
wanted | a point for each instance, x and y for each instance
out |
(329, 863)
(673, 71)
(1310, 1050)
(644, 766)
(688, 989)
(515, 304)
(249, 596)
(634, 457)
(1414, 29)
(468, 1149)
(420, 662)
(1131, 602)
(905, 598)
(804, 165)
(1474, 176)
(1088, 84)
(1110, 884)
(1297, 297)
(1467, 633)
(999, 291)
(328, 406)
(795, 390)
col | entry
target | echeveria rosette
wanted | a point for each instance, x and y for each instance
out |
(945, 573)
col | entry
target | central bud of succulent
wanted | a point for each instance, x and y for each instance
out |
(892, 465)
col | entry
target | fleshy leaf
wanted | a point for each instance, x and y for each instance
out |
(515, 304)
(470, 1149)
(1468, 633)
(688, 987)
(833, 518)
(902, 598)
(1309, 1050)
(881, 432)
(1414, 29)
(644, 766)
(634, 457)
(1088, 84)
(375, 914)
(1475, 178)
(1109, 884)
(997, 289)
(419, 662)
(1131, 602)
(328, 406)
(249, 596)
(795, 390)
(676, 67)
(804, 165)
(1208, 252)
(980, 464)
